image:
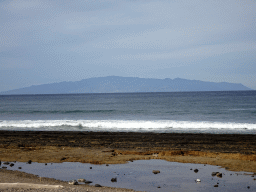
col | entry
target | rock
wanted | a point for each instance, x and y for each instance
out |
(45, 164)
(196, 170)
(216, 186)
(87, 182)
(63, 158)
(155, 171)
(98, 185)
(198, 180)
(248, 187)
(73, 182)
(19, 167)
(90, 167)
(81, 180)
(219, 175)
(158, 187)
(114, 179)
(4, 167)
(107, 165)
(6, 163)
(29, 161)
(11, 165)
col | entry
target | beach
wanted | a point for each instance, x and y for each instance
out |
(235, 152)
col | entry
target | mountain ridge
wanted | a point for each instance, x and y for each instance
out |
(117, 84)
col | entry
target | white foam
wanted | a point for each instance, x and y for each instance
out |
(120, 125)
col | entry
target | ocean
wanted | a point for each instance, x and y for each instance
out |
(173, 112)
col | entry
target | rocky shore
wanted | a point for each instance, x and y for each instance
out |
(232, 151)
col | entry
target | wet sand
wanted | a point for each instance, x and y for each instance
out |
(235, 152)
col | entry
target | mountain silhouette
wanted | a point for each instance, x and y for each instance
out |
(116, 84)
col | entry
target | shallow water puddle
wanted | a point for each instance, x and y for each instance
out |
(138, 175)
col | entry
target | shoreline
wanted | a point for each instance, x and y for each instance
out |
(232, 151)
(235, 152)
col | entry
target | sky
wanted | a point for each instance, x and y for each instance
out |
(49, 41)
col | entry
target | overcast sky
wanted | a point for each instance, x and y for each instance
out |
(51, 41)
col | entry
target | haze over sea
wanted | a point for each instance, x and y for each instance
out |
(182, 112)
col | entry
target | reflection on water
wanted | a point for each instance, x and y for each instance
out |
(138, 175)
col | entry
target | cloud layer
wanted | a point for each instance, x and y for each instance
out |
(51, 41)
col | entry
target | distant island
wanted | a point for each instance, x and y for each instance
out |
(116, 84)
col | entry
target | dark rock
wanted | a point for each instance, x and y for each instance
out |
(248, 187)
(98, 185)
(29, 161)
(19, 167)
(63, 158)
(155, 171)
(4, 167)
(219, 175)
(107, 165)
(45, 164)
(11, 165)
(158, 187)
(216, 185)
(87, 182)
(114, 179)
(196, 170)
(90, 167)
(6, 163)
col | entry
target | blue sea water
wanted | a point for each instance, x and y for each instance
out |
(196, 112)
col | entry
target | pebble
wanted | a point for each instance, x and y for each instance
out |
(73, 182)
(155, 171)
(114, 179)
(81, 180)
(198, 180)
(196, 170)
(219, 175)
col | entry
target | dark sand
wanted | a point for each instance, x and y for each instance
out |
(235, 152)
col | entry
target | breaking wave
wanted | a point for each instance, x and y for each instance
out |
(121, 125)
